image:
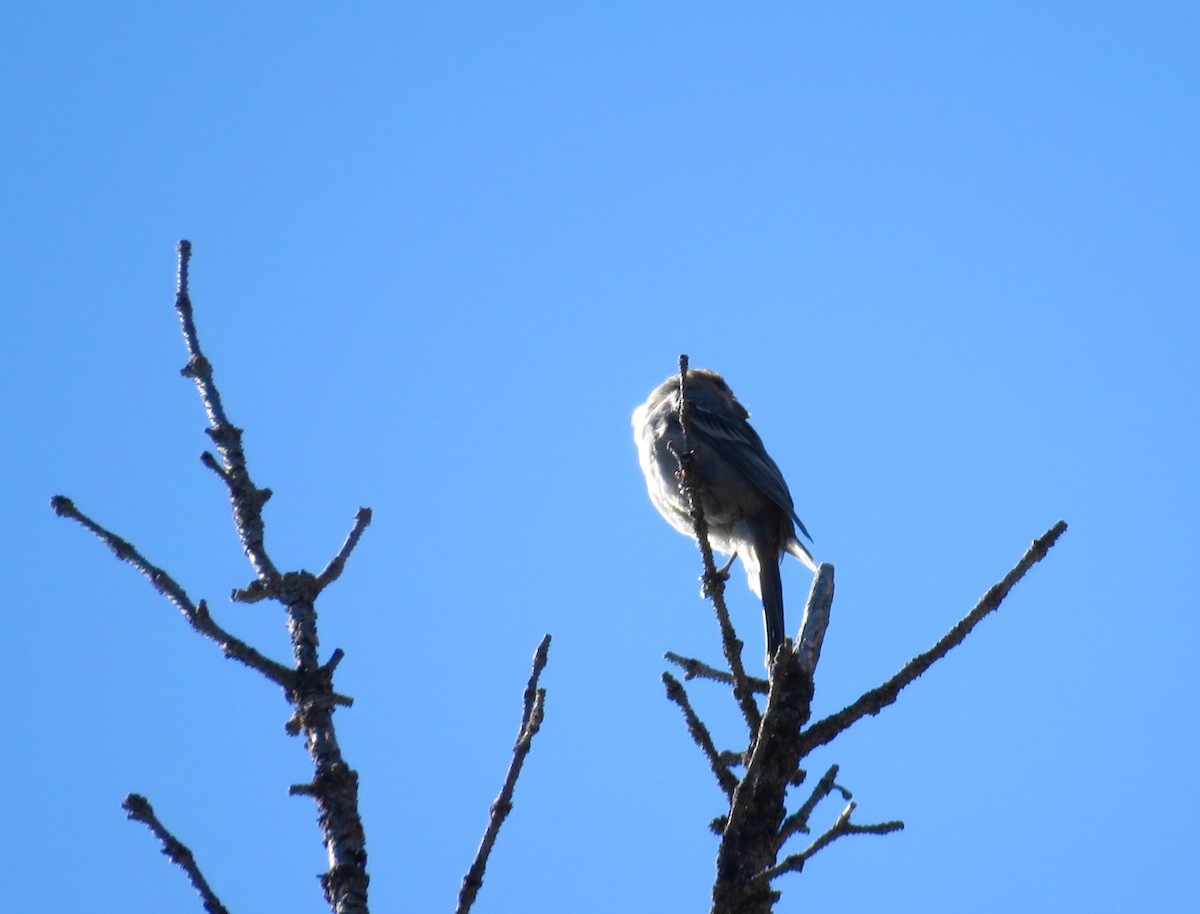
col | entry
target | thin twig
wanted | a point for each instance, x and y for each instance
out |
(246, 498)
(197, 615)
(798, 821)
(700, 735)
(714, 580)
(697, 669)
(842, 826)
(877, 699)
(531, 722)
(253, 592)
(334, 569)
(140, 810)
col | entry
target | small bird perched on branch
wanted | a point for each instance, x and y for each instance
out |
(746, 502)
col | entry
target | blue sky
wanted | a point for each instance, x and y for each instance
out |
(945, 253)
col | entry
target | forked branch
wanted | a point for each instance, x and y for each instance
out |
(308, 685)
(841, 826)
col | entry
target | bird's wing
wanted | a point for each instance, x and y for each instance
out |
(738, 443)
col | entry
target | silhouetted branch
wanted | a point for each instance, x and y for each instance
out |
(755, 829)
(877, 699)
(246, 498)
(696, 669)
(334, 569)
(197, 615)
(714, 579)
(749, 841)
(531, 722)
(309, 686)
(700, 735)
(140, 810)
(842, 826)
(798, 821)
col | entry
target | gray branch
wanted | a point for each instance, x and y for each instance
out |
(196, 614)
(697, 669)
(531, 722)
(757, 825)
(246, 498)
(798, 821)
(140, 810)
(309, 685)
(842, 826)
(700, 735)
(877, 699)
(816, 618)
(337, 564)
(714, 579)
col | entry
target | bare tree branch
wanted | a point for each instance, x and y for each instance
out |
(334, 786)
(798, 821)
(816, 618)
(877, 699)
(749, 841)
(246, 498)
(334, 569)
(696, 669)
(842, 826)
(531, 722)
(700, 735)
(140, 810)
(755, 828)
(197, 615)
(309, 686)
(714, 579)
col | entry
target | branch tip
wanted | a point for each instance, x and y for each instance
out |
(677, 694)
(878, 698)
(138, 809)
(531, 720)
(337, 564)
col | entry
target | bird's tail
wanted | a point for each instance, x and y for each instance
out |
(769, 586)
(800, 551)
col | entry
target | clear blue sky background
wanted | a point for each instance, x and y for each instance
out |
(946, 253)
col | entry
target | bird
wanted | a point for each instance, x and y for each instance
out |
(746, 502)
